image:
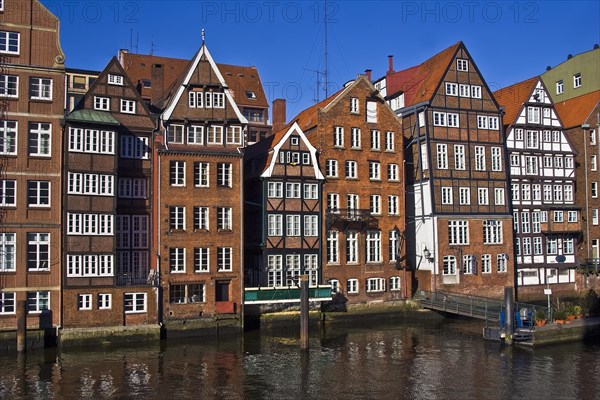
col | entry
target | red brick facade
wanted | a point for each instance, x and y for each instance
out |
(32, 105)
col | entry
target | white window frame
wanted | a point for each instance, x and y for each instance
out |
(101, 103)
(8, 137)
(375, 285)
(458, 232)
(135, 303)
(7, 40)
(8, 251)
(115, 79)
(84, 301)
(40, 88)
(128, 106)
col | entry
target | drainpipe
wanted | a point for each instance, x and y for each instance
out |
(587, 208)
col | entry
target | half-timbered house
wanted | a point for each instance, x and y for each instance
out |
(547, 222)
(460, 229)
(110, 273)
(283, 197)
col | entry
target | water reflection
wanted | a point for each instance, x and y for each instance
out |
(427, 361)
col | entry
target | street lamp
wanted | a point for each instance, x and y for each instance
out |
(427, 254)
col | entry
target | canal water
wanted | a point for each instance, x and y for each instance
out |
(425, 360)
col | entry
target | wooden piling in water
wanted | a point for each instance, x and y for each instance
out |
(21, 326)
(304, 312)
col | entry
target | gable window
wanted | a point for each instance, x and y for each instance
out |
(576, 80)
(9, 85)
(101, 103)
(128, 106)
(9, 42)
(355, 138)
(462, 65)
(371, 111)
(195, 99)
(115, 79)
(464, 90)
(40, 88)
(354, 105)
(533, 115)
(39, 139)
(389, 141)
(451, 89)
(560, 87)
(476, 91)
(338, 136)
(375, 140)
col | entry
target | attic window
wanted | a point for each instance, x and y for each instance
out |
(462, 64)
(146, 83)
(250, 94)
(115, 79)
(241, 75)
(294, 141)
(228, 74)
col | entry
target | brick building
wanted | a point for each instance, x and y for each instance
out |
(359, 144)
(283, 188)
(78, 83)
(459, 235)
(107, 176)
(581, 119)
(199, 195)
(547, 222)
(32, 102)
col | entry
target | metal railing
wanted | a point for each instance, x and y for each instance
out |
(461, 304)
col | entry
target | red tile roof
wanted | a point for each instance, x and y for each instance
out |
(512, 98)
(420, 82)
(576, 111)
(239, 79)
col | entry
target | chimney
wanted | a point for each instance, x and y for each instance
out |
(279, 116)
(158, 82)
(368, 74)
(390, 64)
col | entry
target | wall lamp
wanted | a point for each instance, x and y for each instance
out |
(427, 254)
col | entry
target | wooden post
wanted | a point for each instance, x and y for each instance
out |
(304, 312)
(21, 326)
(510, 314)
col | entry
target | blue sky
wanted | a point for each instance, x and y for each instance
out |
(509, 40)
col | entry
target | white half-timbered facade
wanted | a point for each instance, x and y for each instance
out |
(547, 223)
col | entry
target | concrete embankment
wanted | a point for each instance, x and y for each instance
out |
(584, 329)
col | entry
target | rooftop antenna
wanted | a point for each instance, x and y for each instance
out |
(202, 35)
(326, 72)
(318, 87)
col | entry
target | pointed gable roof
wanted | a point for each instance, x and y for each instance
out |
(180, 85)
(576, 111)
(277, 142)
(514, 96)
(89, 115)
(419, 83)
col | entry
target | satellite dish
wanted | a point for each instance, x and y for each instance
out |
(561, 258)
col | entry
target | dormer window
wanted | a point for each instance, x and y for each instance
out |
(250, 94)
(577, 80)
(115, 80)
(462, 65)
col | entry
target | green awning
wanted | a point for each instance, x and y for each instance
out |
(92, 116)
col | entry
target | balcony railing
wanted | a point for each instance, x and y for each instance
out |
(139, 279)
(351, 218)
(590, 266)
